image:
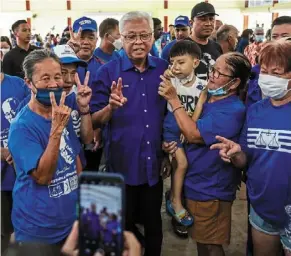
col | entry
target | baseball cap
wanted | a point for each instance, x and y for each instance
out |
(202, 9)
(85, 23)
(67, 55)
(182, 21)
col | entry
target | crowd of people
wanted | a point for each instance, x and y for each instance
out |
(199, 103)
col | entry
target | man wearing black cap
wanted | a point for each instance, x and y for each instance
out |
(203, 22)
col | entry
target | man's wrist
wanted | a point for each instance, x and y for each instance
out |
(84, 109)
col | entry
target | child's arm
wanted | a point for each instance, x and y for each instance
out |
(199, 105)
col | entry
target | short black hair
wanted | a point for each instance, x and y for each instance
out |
(157, 22)
(186, 47)
(281, 20)
(246, 33)
(17, 23)
(107, 26)
(6, 39)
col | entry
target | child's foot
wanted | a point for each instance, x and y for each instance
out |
(182, 216)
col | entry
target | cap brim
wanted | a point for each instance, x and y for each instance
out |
(181, 25)
(86, 29)
(70, 60)
(207, 13)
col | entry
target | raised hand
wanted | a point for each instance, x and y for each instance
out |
(166, 89)
(117, 99)
(60, 114)
(227, 148)
(168, 74)
(75, 40)
(84, 92)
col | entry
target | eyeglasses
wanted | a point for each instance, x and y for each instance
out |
(144, 37)
(216, 74)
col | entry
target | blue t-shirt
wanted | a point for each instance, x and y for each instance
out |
(208, 176)
(166, 51)
(254, 91)
(266, 139)
(13, 91)
(42, 213)
(105, 57)
(154, 51)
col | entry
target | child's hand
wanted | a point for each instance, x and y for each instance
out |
(182, 138)
(167, 90)
(168, 74)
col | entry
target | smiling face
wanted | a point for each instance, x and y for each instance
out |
(137, 38)
(68, 72)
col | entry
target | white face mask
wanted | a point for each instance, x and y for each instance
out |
(117, 44)
(273, 87)
(4, 51)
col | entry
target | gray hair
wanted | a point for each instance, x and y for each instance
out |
(135, 16)
(223, 32)
(35, 57)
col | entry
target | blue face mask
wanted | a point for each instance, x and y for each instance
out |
(43, 95)
(219, 91)
(259, 38)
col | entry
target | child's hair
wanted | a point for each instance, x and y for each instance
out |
(186, 47)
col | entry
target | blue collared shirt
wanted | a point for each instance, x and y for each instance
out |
(93, 65)
(134, 143)
(105, 57)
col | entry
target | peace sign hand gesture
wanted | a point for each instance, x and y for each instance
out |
(117, 99)
(60, 114)
(75, 40)
(84, 93)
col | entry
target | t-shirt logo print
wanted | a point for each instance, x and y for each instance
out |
(277, 140)
(9, 108)
(65, 150)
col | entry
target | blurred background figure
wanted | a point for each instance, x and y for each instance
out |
(244, 40)
(5, 46)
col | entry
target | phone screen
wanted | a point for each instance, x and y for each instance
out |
(100, 215)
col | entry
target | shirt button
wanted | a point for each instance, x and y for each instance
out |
(147, 126)
(145, 110)
(135, 70)
(143, 94)
(141, 79)
(149, 158)
(148, 142)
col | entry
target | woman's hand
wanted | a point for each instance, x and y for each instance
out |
(170, 147)
(227, 148)
(167, 90)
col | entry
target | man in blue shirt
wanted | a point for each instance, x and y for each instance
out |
(126, 97)
(158, 31)
(110, 41)
(182, 31)
(13, 91)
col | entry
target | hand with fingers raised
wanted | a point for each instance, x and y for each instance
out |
(168, 74)
(227, 148)
(60, 114)
(84, 93)
(167, 90)
(117, 99)
(75, 40)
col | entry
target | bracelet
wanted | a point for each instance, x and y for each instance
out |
(177, 109)
(84, 113)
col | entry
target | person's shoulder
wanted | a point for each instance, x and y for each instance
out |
(34, 47)
(14, 79)
(159, 61)
(259, 105)
(200, 81)
(169, 45)
(213, 44)
(22, 119)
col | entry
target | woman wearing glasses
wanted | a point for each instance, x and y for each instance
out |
(210, 184)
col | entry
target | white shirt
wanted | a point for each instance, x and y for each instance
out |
(188, 95)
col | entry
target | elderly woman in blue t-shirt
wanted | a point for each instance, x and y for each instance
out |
(265, 150)
(210, 184)
(45, 151)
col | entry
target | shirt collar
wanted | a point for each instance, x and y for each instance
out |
(126, 63)
(31, 47)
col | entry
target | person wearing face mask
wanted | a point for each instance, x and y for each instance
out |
(45, 151)
(264, 150)
(12, 61)
(210, 184)
(13, 91)
(281, 28)
(5, 46)
(227, 38)
(252, 50)
(185, 57)
(110, 40)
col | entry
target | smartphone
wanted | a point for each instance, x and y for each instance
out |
(101, 214)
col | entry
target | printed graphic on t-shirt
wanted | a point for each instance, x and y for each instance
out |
(76, 122)
(189, 102)
(9, 107)
(276, 140)
(65, 182)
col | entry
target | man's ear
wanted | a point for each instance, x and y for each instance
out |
(29, 84)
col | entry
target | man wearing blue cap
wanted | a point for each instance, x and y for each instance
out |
(182, 31)
(88, 42)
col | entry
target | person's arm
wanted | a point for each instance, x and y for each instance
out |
(199, 106)
(46, 167)
(4, 153)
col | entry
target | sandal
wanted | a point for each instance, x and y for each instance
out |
(183, 217)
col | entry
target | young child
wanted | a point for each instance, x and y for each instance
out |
(184, 57)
